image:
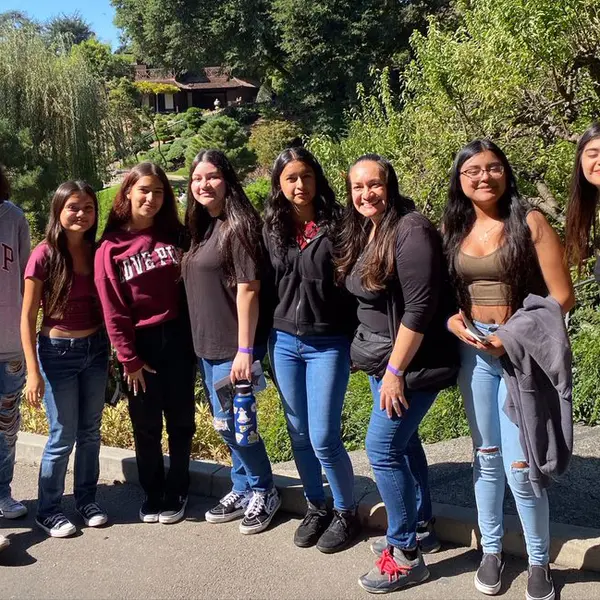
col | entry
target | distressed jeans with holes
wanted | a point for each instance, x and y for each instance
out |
(250, 465)
(12, 380)
(498, 457)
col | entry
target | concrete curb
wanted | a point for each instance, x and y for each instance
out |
(571, 546)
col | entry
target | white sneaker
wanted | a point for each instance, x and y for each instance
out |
(4, 542)
(56, 525)
(11, 509)
(260, 511)
(92, 515)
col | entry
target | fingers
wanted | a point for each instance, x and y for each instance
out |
(149, 369)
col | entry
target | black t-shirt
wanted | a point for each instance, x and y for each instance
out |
(212, 301)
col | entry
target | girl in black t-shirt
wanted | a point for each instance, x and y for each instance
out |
(222, 274)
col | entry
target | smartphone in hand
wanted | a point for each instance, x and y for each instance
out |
(473, 330)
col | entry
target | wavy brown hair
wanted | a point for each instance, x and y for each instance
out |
(581, 208)
(241, 228)
(379, 263)
(59, 263)
(166, 220)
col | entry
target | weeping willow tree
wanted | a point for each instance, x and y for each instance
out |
(52, 118)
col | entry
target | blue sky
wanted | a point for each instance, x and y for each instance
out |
(98, 13)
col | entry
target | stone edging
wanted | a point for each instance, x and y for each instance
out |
(572, 546)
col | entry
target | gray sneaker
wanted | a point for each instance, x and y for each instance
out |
(488, 579)
(539, 583)
(394, 571)
(426, 538)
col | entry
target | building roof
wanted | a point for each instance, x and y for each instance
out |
(209, 78)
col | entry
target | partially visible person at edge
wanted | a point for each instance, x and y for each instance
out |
(499, 251)
(310, 342)
(68, 367)
(137, 271)
(14, 251)
(582, 208)
(230, 325)
(391, 259)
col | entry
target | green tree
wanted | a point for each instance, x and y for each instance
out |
(102, 61)
(68, 30)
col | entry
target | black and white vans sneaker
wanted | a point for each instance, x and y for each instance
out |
(56, 525)
(173, 510)
(92, 515)
(261, 509)
(230, 507)
(150, 510)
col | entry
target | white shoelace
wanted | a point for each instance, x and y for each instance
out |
(257, 504)
(231, 498)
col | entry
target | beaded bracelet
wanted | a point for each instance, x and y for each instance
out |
(394, 371)
(246, 350)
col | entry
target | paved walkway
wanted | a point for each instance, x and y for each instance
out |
(194, 559)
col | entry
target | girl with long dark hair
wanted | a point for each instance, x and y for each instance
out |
(14, 252)
(499, 251)
(309, 344)
(390, 257)
(583, 200)
(70, 368)
(230, 322)
(137, 272)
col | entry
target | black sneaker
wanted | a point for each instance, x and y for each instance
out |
(488, 578)
(56, 525)
(539, 583)
(261, 509)
(427, 540)
(92, 515)
(394, 571)
(341, 531)
(173, 510)
(313, 525)
(150, 510)
(230, 507)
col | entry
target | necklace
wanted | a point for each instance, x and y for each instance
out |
(485, 237)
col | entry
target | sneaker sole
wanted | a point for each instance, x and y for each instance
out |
(153, 518)
(170, 519)
(14, 515)
(333, 550)
(97, 521)
(550, 596)
(57, 534)
(400, 587)
(489, 590)
(210, 518)
(245, 530)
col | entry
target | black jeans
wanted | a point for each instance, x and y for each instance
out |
(166, 348)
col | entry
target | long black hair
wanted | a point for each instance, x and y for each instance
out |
(241, 228)
(518, 259)
(378, 264)
(59, 263)
(279, 216)
(582, 206)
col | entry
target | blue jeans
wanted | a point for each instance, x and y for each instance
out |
(496, 447)
(312, 376)
(75, 372)
(399, 464)
(250, 465)
(12, 380)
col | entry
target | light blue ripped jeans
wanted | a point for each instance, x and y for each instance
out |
(496, 447)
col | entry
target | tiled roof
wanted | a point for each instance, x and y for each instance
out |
(210, 78)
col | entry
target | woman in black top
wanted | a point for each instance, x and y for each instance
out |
(222, 274)
(391, 260)
(309, 345)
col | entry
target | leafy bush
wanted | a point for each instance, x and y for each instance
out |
(105, 202)
(446, 419)
(225, 134)
(193, 118)
(176, 152)
(269, 138)
(258, 191)
(244, 115)
(188, 133)
(178, 127)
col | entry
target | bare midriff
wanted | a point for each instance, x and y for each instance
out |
(55, 332)
(498, 314)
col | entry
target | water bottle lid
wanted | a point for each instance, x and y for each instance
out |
(243, 387)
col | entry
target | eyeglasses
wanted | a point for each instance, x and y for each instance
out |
(495, 171)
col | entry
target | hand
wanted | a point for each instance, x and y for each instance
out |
(136, 380)
(494, 346)
(457, 326)
(35, 388)
(241, 367)
(391, 395)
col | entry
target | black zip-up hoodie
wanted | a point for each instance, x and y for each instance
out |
(308, 301)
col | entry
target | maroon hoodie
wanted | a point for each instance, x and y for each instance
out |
(137, 276)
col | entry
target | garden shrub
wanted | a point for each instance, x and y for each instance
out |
(105, 202)
(446, 419)
(258, 191)
(176, 153)
(269, 138)
(193, 118)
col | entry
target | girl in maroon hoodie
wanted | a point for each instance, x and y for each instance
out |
(137, 274)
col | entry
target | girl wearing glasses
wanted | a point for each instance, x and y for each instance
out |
(499, 251)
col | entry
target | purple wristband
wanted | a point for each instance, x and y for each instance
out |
(246, 350)
(394, 371)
